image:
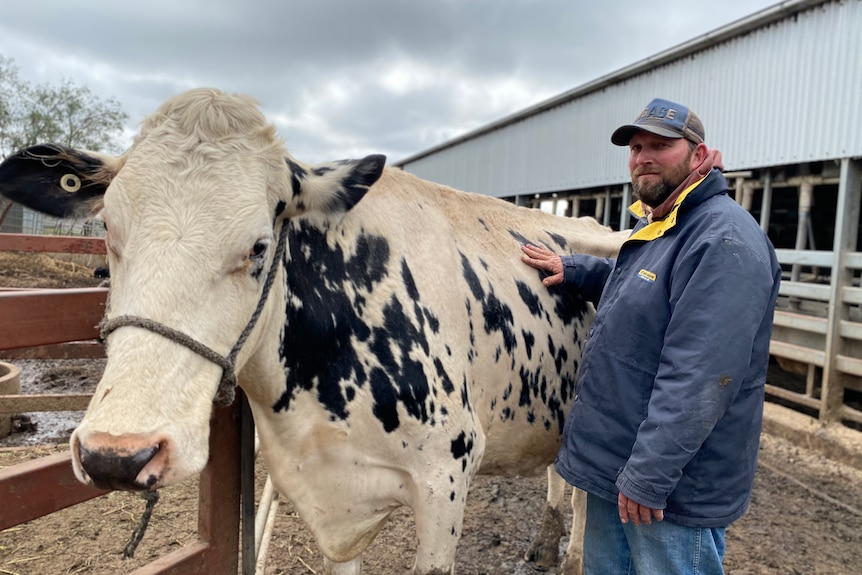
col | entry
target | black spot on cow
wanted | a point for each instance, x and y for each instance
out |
(297, 174)
(536, 389)
(421, 312)
(496, 314)
(530, 298)
(529, 342)
(409, 282)
(385, 400)
(520, 238)
(529, 387)
(465, 403)
(461, 446)
(472, 279)
(445, 381)
(498, 317)
(319, 334)
(398, 336)
(561, 358)
(559, 240)
(434, 324)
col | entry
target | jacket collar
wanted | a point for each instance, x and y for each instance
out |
(660, 227)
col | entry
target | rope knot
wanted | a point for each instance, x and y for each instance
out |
(226, 389)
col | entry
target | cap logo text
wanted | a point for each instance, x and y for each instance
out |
(658, 112)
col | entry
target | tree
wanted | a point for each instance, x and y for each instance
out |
(66, 114)
(9, 100)
(69, 115)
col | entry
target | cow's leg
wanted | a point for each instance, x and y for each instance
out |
(545, 546)
(439, 501)
(573, 561)
(439, 520)
(346, 568)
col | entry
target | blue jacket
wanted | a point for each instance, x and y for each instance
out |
(670, 392)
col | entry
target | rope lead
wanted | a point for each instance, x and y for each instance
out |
(152, 498)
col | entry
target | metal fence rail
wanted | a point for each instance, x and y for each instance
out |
(819, 325)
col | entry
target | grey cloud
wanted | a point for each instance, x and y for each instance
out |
(287, 54)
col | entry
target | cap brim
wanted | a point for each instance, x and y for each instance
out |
(623, 134)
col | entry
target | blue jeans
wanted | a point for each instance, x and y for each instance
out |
(660, 548)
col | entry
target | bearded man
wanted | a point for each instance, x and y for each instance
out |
(665, 428)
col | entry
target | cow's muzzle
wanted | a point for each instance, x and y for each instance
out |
(129, 463)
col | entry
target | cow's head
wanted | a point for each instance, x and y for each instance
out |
(193, 211)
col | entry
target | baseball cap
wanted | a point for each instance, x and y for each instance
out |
(664, 118)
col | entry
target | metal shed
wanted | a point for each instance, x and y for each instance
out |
(780, 94)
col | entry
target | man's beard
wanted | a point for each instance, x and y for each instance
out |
(654, 192)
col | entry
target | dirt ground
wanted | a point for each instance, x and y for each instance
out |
(805, 515)
(32, 270)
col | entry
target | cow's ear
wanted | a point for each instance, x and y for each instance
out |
(56, 180)
(333, 187)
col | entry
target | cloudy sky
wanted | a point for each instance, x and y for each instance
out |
(344, 78)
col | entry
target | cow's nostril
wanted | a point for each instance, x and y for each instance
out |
(109, 469)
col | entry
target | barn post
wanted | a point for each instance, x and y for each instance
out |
(806, 199)
(739, 194)
(766, 202)
(846, 232)
(575, 207)
(624, 212)
(599, 213)
(606, 213)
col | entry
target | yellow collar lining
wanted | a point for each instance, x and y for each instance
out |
(658, 228)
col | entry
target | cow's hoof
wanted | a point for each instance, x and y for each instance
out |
(543, 553)
(572, 566)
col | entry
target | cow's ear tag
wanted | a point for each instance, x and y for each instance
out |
(71, 183)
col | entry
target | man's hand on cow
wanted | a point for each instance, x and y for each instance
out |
(631, 510)
(544, 259)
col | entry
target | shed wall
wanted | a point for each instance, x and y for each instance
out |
(784, 93)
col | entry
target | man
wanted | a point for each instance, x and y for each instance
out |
(665, 428)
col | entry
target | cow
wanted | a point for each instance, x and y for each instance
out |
(389, 340)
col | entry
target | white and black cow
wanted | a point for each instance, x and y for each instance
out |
(403, 346)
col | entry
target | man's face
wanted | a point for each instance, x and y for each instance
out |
(657, 166)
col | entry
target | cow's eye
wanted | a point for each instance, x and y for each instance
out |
(257, 250)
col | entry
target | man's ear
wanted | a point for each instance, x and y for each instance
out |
(698, 155)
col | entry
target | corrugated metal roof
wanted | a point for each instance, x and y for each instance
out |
(782, 86)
